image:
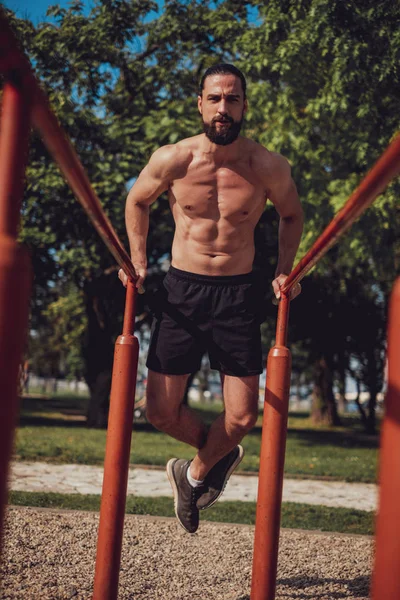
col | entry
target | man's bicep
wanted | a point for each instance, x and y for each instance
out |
(154, 179)
(148, 186)
(282, 190)
(286, 199)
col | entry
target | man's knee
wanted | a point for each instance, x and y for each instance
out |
(243, 422)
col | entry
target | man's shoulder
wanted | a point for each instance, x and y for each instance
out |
(171, 158)
(267, 162)
(265, 157)
(171, 153)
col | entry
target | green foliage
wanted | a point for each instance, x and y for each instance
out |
(326, 97)
(55, 344)
(68, 321)
(121, 85)
(323, 88)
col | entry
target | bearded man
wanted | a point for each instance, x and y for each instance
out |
(218, 183)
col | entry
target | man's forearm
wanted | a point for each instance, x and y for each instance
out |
(137, 226)
(290, 230)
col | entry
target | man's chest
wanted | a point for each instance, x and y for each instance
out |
(227, 189)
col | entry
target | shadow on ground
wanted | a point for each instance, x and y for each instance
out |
(359, 586)
(345, 439)
(296, 588)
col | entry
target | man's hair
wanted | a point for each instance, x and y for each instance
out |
(223, 69)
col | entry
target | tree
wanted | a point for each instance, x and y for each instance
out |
(323, 91)
(325, 95)
(120, 86)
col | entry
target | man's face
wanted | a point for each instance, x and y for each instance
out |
(222, 107)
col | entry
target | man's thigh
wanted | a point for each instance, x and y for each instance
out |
(165, 392)
(240, 394)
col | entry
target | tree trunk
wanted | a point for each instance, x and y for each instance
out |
(323, 408)
(359, 405)
(98, 352)
(374, 383)
(341, 403)
(97, 413)
(370, 425)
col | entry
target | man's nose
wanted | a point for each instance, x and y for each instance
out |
(222, 107)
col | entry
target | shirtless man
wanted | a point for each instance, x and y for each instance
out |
(218, 183)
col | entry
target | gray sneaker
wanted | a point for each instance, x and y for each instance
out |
(217, 478)
(185, 496)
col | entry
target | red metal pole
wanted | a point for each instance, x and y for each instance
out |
(272, 459)
(278, 380)
(15, 268)
(126, 351)
(116, 463)
(386, 579)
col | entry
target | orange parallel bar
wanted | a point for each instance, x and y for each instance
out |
(277, 388)
(272, 459)
(116, 465)
(385, 169)
(13, 60)
(15, 267)
(386, 577)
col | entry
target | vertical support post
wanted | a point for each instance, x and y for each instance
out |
(272, 459)
(15, 268)
(116, 465)
(386, 578)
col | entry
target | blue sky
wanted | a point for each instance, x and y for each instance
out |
(35, 10)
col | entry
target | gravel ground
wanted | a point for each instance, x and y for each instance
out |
(49, 555)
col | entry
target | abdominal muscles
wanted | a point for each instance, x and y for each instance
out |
(213, 247)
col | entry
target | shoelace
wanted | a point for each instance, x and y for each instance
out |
(193, 496)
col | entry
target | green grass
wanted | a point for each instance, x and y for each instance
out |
(297, 516)
(53, 430)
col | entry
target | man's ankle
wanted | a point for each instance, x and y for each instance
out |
(193, 482)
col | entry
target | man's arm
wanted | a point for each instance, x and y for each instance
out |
(153, 180)
(283, 194)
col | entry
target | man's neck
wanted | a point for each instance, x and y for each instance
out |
(221, 154)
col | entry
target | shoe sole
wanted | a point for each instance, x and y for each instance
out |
(229, 473)
(172, 481)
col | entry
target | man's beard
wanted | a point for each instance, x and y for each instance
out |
(225, 136)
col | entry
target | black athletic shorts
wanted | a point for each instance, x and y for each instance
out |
(195, 314)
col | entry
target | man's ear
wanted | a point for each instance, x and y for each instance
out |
(245, 106)
(199, 104)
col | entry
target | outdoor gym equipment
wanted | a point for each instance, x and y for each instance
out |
(25, 103)
(277, 386)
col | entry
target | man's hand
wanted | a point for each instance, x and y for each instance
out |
(279, 282)
(141, 272)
